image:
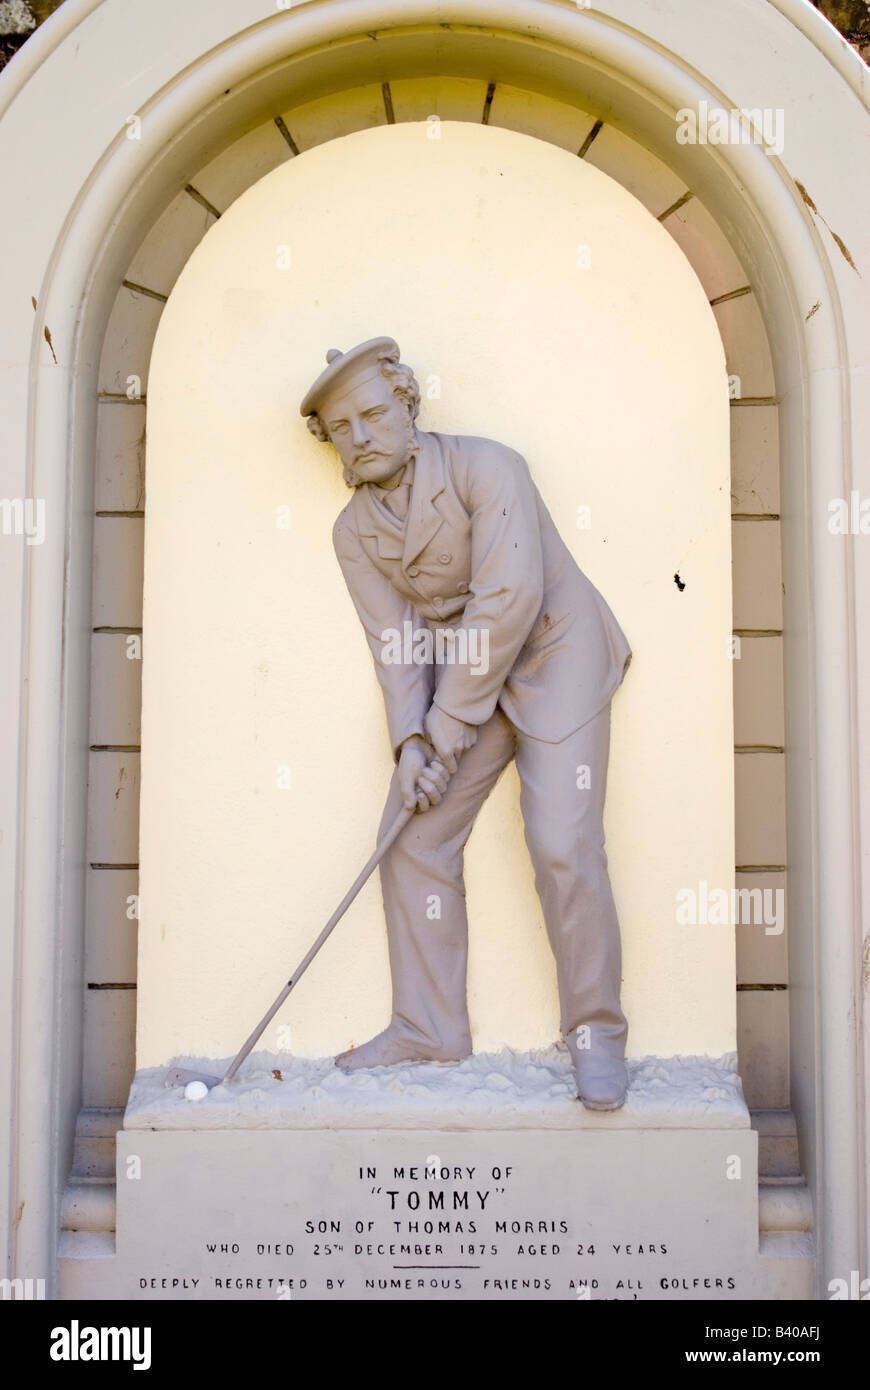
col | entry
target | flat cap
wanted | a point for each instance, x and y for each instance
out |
(347, 367)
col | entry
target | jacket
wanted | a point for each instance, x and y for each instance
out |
(479, 550)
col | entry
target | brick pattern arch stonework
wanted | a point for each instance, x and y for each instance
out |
(121, 488)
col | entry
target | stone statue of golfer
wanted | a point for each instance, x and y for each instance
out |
(449, 552)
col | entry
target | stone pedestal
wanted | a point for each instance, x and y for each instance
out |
(483, 1180)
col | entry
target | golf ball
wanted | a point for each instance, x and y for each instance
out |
(195, 1090)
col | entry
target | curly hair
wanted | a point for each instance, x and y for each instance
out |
(405, 386)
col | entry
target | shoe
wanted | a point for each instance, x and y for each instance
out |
(392, 1047)
(599, 1067)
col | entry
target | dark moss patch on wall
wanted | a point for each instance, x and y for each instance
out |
(852, 18)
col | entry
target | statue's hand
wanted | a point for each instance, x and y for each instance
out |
(449, 737)
(422, 778)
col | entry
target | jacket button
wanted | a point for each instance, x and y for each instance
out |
(462, 588)
(413, 571)
(437, 602)
(445, 557)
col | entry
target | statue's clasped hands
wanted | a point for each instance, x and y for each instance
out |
(427, 764)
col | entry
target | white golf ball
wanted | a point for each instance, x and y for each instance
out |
(195, 1090)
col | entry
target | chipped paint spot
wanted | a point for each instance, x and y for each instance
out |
(843, 248)
(814, 310)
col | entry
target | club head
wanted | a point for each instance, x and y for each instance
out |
(180, 1076)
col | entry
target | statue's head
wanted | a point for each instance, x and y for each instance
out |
(365, 404)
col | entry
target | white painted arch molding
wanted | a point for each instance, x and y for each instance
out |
(87, 194)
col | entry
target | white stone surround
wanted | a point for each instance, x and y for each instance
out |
(799, 265)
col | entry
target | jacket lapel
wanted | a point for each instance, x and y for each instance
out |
(424, 519)
(373, 524)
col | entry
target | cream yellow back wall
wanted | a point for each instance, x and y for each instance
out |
(541, 305)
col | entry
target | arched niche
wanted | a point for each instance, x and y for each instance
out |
(542, 305)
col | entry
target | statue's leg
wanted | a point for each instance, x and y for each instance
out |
(424, 904)
(562, 799)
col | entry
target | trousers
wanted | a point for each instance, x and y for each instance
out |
(562, 802)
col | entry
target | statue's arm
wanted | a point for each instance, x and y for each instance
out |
(407, 687)
(507, 577)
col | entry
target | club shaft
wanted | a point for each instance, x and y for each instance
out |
(391, 836)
